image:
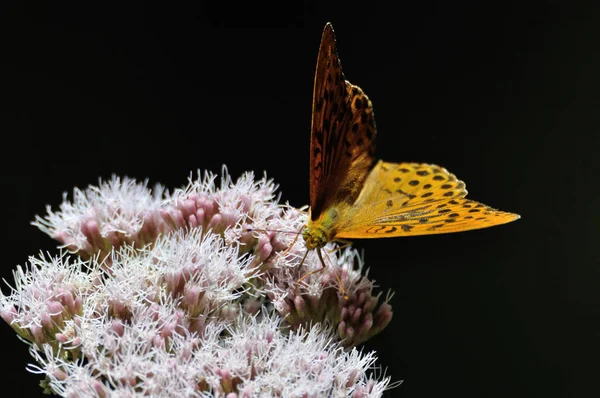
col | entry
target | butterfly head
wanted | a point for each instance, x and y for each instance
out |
(320, 231)
(315, 238)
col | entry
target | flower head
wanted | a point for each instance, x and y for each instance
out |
(194, 293)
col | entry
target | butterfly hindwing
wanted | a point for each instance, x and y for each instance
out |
(400, 199)
(410, 184)
(343, 130)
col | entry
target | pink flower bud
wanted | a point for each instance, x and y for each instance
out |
(360, 301)
(117, 327)
(367, 324)
(69, 301)
(188, 207)
(98, 388)
(9, 314)
(177, 217)
(349, 333)
(197, 325)
(191, 295)
(59, 374)
(215, 223)
(356, 316)
(252, 306)
(342, 330)
(300, 306)
(38, 334)
(46, 321)
(54, 307)
(208, 206)
(78, 305)
(370, 303)
(159, 342)
(248, 392)
(168, 329)
(61, 338)
(265, 252)
(200, 216)
(91, 230)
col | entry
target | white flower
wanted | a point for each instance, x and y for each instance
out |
(193, 293)
(114, 211)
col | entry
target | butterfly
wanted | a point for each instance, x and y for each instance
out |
(354, 196)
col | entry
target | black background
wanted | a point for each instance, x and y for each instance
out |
(505, 96)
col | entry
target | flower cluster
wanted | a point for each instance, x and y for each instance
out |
(206, 291)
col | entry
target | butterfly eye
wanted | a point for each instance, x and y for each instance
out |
(333, 214)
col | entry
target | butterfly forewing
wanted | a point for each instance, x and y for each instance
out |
(400, 199)
(343, 130)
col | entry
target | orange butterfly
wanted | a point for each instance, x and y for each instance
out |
(351, 196)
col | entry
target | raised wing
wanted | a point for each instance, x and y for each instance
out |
(342, 134)
(401, 199)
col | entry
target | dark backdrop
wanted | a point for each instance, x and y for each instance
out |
(505, 96)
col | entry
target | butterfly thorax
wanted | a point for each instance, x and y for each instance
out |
(322, 230)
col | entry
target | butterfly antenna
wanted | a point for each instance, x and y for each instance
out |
(286, 251)
(270, 230)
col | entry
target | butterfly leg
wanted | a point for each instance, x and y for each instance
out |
(303, 209)
(286, 251)
(323, 266)
(346, 243)
(303, 277)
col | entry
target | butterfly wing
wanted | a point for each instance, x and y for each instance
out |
(342, 133)
(400, 199)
